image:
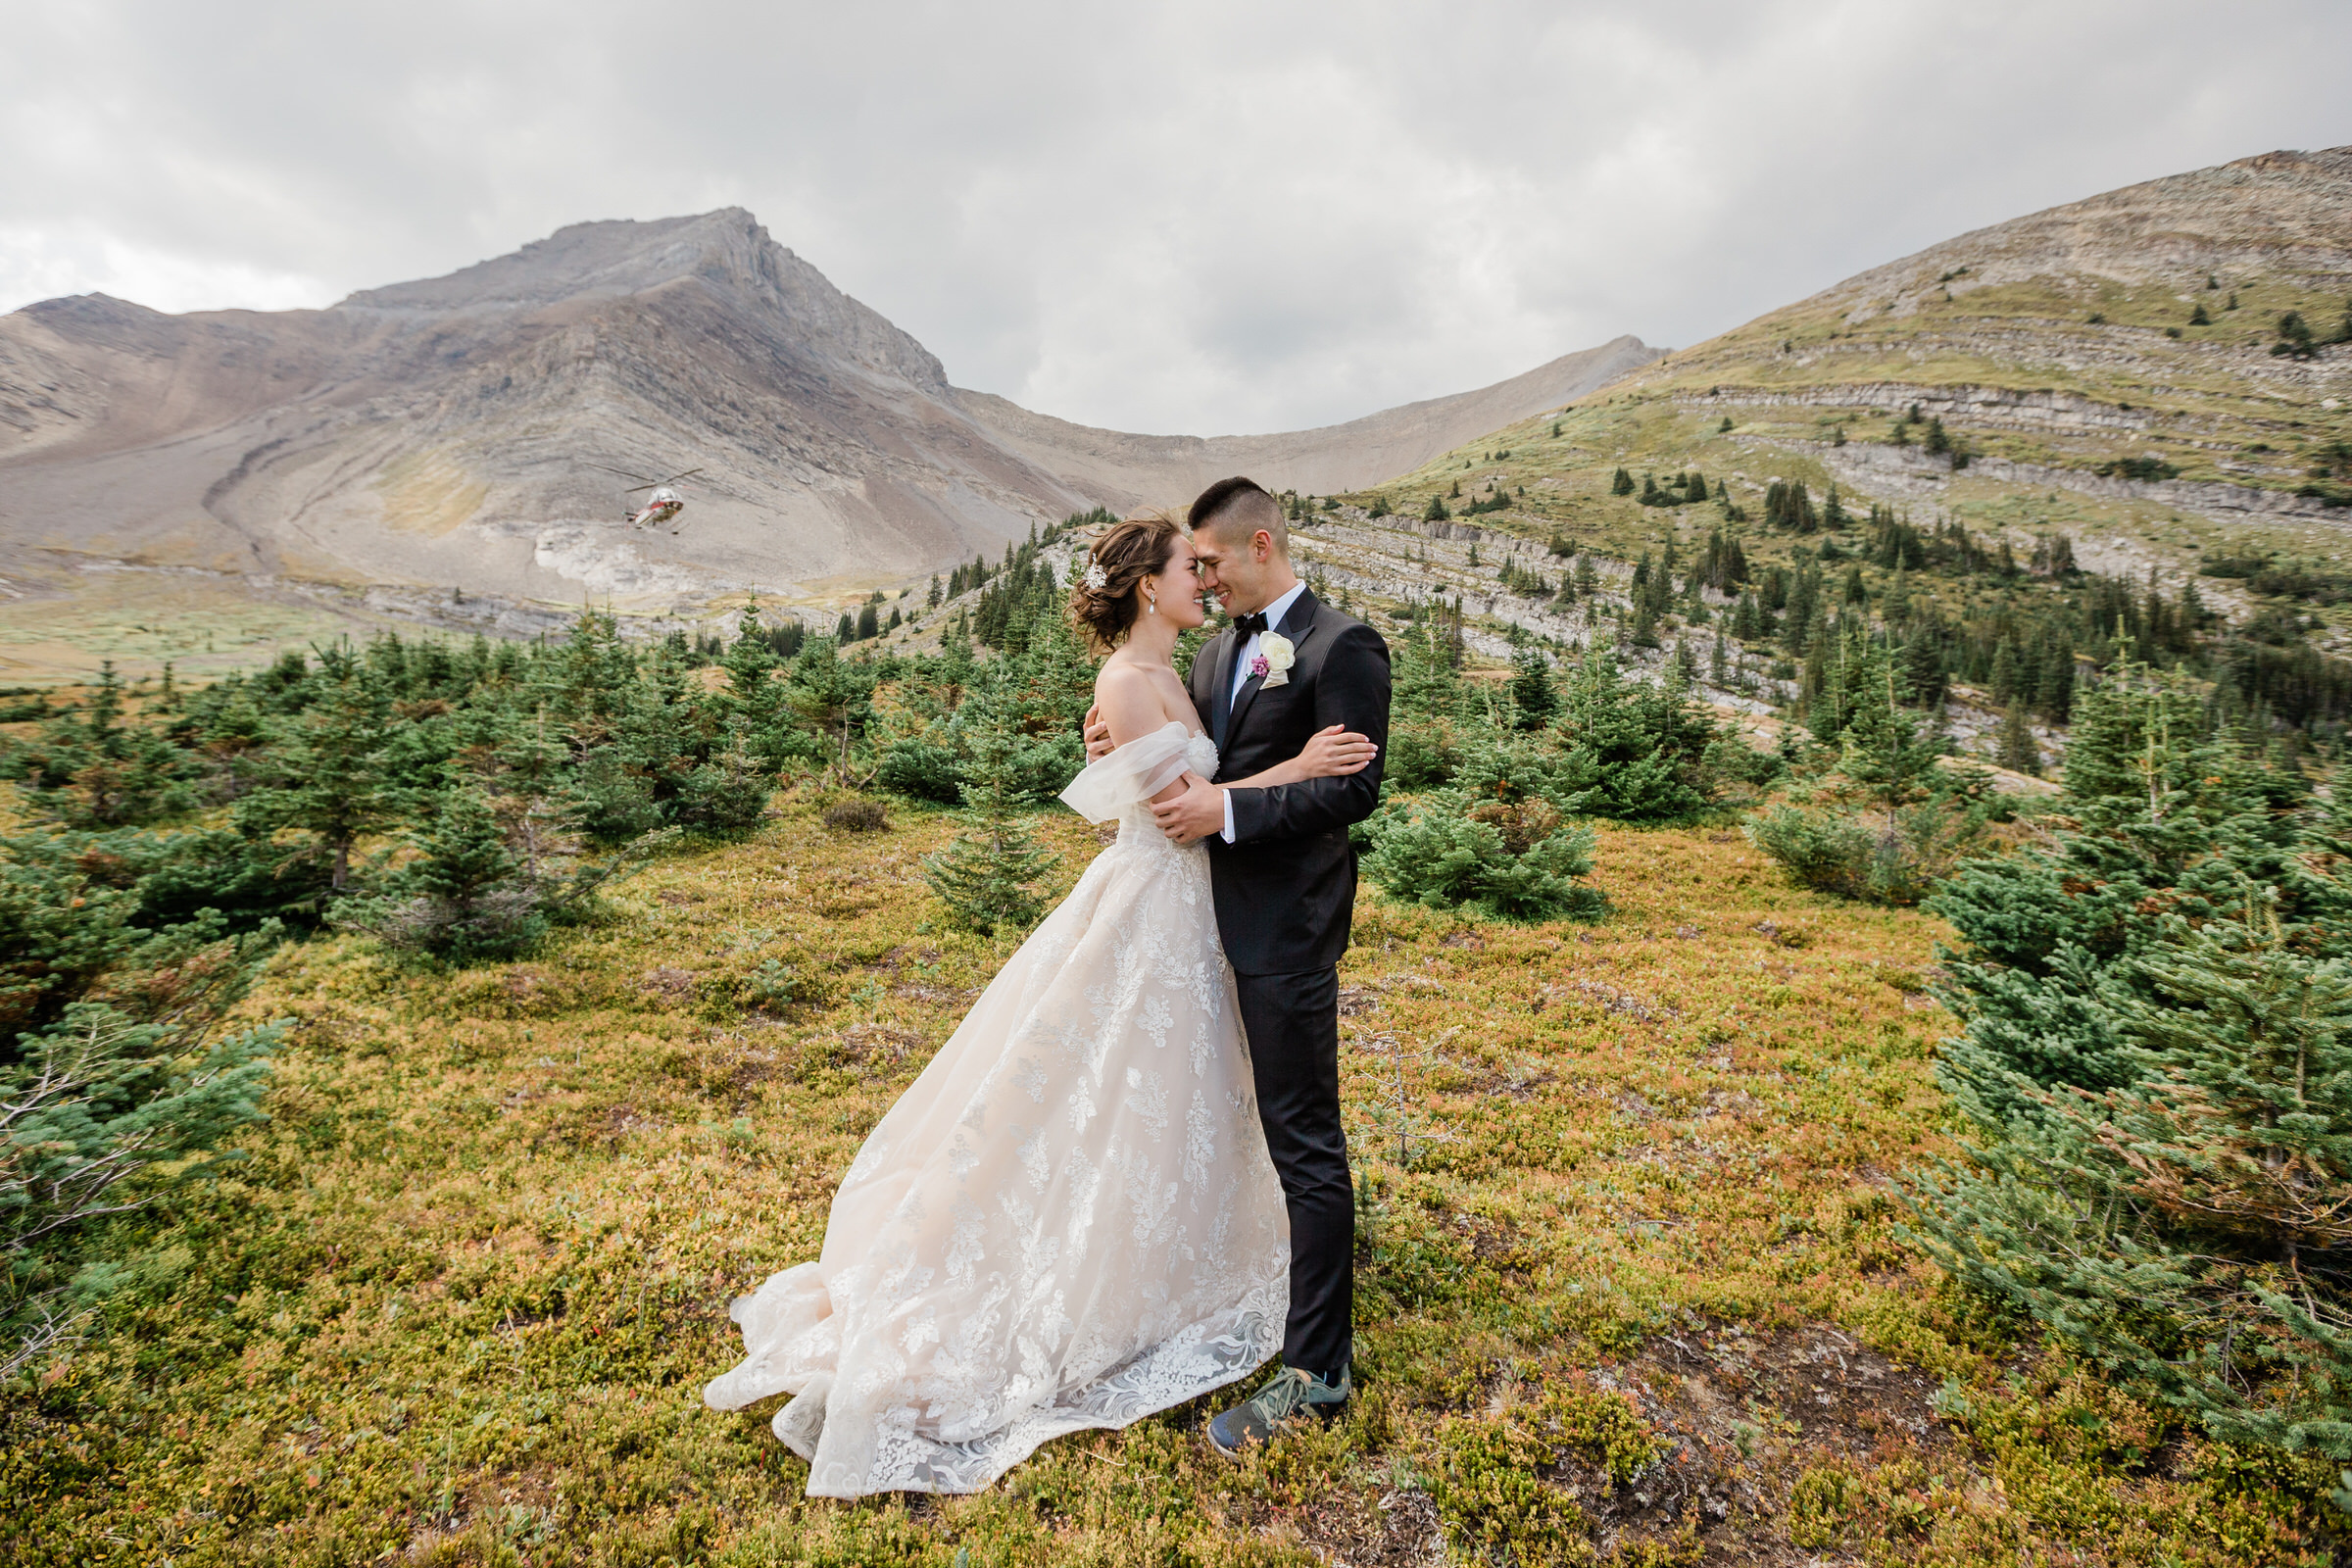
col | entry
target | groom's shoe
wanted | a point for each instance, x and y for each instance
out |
(1294, 1392)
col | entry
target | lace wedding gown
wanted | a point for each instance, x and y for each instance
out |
(1069, 1220)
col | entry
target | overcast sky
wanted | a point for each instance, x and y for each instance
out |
(1197, 217)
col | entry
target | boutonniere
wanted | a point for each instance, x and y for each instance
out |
(1275, 656)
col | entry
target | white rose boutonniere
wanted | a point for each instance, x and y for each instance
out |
(1275, 652)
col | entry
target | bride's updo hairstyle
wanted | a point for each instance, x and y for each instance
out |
(1104, 601)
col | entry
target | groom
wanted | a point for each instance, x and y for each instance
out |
(1283, 874)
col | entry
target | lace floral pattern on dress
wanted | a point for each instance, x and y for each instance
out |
(1069, 1220)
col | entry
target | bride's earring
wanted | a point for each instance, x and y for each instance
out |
(1151, 606)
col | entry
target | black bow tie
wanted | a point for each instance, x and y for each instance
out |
(1248, 626)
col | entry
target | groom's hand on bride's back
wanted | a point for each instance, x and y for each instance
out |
(1098, 735)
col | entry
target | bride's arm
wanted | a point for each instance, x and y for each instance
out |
(1329, 753)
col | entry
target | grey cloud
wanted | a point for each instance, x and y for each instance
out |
(1185, 217)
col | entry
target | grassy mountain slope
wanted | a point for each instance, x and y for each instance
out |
(2045, 339)
(2040, 350)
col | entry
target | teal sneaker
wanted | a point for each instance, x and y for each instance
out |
(1294, 1392)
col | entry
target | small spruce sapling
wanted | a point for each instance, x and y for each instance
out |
(986, 876)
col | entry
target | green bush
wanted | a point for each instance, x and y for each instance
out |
(1893, 859)
(1488, 1491)
(612, 803)
(922, 770)
(1451, 850)
(724, 797)
(1419, 757)
(1889, 819)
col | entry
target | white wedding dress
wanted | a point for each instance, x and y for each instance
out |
(1069, 1220)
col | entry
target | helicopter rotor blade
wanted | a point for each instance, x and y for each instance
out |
(625, 474)
(676, 477)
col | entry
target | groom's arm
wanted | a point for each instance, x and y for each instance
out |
(1351, 690)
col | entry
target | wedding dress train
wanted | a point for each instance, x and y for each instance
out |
(1069, 1219)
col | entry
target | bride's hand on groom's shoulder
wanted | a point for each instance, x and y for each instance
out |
(1098, 734)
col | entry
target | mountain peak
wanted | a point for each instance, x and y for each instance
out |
(726, 251)
(619, 256)
(2333, 161)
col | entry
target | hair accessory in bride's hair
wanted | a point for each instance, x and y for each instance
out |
(1095, 577)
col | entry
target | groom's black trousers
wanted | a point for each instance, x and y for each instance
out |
(1291, 1022)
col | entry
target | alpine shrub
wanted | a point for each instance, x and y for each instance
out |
(1450, 850)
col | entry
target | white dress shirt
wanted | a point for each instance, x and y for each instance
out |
(1241, 659)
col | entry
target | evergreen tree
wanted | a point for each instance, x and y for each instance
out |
(2004, 672)
(1926, 680)
(463, 860)
(2295, 339)
(827, 694)
(98, 769)
(759, 703)
(1621, 483)
(2163, 1161)
(1532, 699)
(2019, 753)
(932, 602)
(986, 875)
(846, 631)
(2056, 693)
(869, 624)
(1632, 750)
(1436, 510)
(335, 786)
(1886, 751)
(1787, 504)
(531, 764)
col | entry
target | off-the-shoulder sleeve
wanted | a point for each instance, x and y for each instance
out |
(1135, 772)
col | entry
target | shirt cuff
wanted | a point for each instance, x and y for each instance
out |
(1228, 833)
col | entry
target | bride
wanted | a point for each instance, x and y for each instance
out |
(1069, 1220)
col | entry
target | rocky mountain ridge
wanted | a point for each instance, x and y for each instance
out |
(441, 435)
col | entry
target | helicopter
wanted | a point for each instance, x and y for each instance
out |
(660, 507)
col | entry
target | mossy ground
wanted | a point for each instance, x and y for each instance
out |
(1629, 1283)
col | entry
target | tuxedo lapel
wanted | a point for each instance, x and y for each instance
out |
(1297, 625)
(1220, 675)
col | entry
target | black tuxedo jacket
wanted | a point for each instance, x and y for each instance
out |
(1285, 888)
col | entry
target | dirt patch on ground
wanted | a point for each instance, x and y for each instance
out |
(1393, 1526)
(1737, 1414)
(673, 984)
(1743, 1414)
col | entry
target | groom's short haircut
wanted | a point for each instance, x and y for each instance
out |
(1240, 507)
